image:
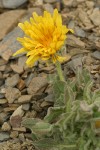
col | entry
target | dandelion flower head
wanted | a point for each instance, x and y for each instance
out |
(44, 37)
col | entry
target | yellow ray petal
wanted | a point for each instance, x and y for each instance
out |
(22, 50)
(31, 60)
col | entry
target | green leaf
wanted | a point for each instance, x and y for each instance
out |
(50, 144)
(53, 113)
(87, 92)
(41, 128)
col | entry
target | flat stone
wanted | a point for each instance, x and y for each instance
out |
(48, 7)
(24, 99)
(12, 94)
(68, 3)
(50, 1)
(16, 117)
(22, 61)
(21, 84)
(6, 126)
(2, 62)
(75, 63)
(4, 136)
(2, 68)
(90, 4)
(79, 32)
(36, 84)
(3, 101)
(45, 104)
(12, 81)
(11, 3)
(26, 107)
(9, 44)
(21, 129)
(95, 17)
(85, 19)
(16, 68)
(8, 20)
(96, 55)
(3, 117)
(14, 134)
(74, 41)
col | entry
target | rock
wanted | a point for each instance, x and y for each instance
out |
(12, 81)
(16, 68)
(9, 44)
(80, 1)
(4, 136)
(26, 107)
(79, 32)
(3, 117)
(85, 19)
(1, 95)
(3, 101)
(31, 114)
(74, 41)
(24, 99)
(47, 69)
(6, 126)
(95, 17)
(16, 117)
(96, 55)
(36, 106)
(68, 3)
(2, 68)
(36, 84)
(14, 134)
(90, 4)
(21, 129)
(38, 3)
(48, 7)
(29, 79)
(49, 98)
(2, 62)
(22, 61)
(50, 1)
(12, 94)
(45, 104)
(8, 20)
(11, 3)
(75, 63)
(21, 84)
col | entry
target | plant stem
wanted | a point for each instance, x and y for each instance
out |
(59, 70)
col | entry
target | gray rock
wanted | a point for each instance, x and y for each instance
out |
(12, 94)
(4, 136)
(9, 44)
(48, 7)
(11, 3)
(26, 106)
(12, 81)
(96, 55)
(74, 41)
(79, 32)
(75, 63)
(3, 117)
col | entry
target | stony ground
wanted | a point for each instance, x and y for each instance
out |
(25, 92)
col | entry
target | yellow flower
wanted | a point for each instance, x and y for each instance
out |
(44, 36)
